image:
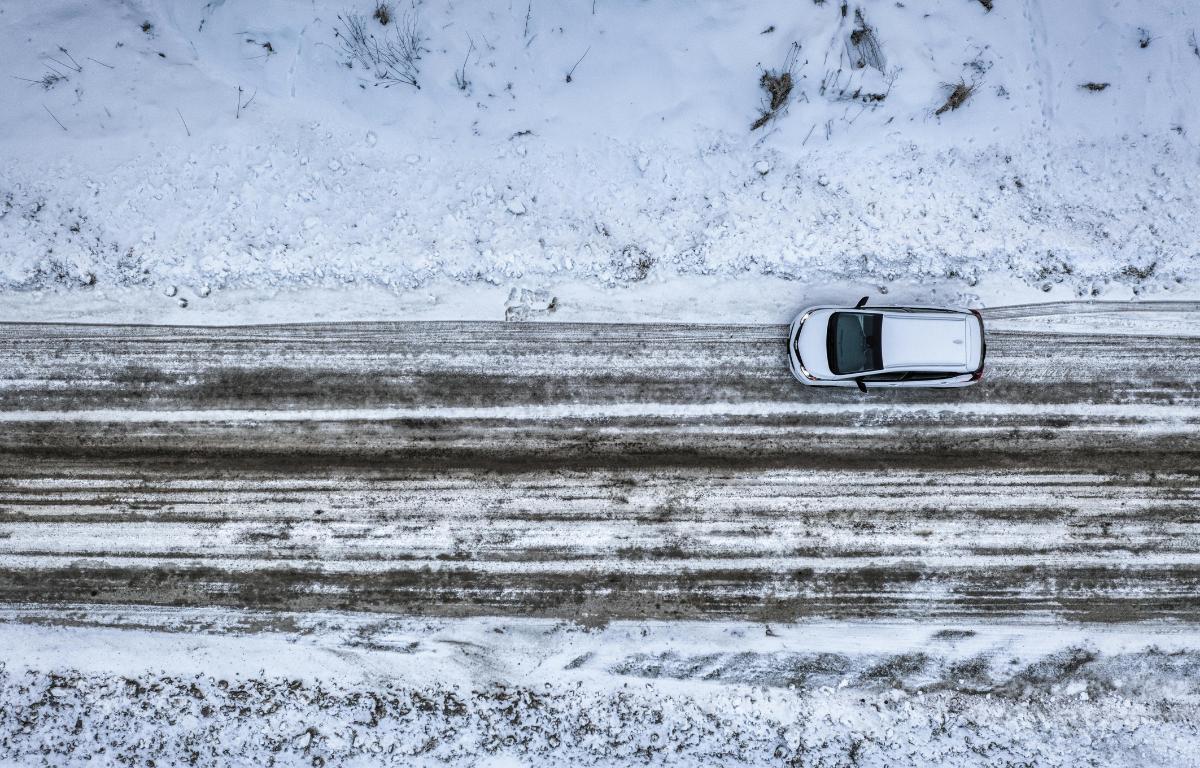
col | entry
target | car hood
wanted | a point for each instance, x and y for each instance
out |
(927, 341)
(810, 344)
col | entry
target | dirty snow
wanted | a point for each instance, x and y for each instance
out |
(243, 688)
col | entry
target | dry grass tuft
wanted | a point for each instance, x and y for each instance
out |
(958, 97)
(393, 58)
(778, 87)
(987, 4)
(865, 50)
(1094, 86)
(51, 79)
(1140, 273)
(46, 82)
(383, 13)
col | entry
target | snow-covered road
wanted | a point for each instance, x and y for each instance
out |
(601, 472)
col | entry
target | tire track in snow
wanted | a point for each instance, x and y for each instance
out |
(593, 472)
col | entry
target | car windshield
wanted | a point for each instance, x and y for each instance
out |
(854, 342)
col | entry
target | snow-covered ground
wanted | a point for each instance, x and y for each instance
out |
(244, 688)
(233, 149)
(239, 161)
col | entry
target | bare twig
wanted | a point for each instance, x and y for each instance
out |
(101, 63)
(571, 73)
(72, 58)
(238, 114)
(55, 71)
(460, 77)
(870, 98)
(528, 13)
(189, 133)
(48, 112)
(74, 67)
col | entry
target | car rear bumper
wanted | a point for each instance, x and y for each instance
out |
(978, 374)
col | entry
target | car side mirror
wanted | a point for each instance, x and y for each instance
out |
(861, 302)
(862, 385)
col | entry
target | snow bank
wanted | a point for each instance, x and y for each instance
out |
(211, 687)
(235, 145)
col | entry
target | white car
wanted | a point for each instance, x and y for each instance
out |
(887, 346)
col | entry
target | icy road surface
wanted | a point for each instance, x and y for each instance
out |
(601, 472)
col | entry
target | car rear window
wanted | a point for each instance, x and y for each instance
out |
(853, 342)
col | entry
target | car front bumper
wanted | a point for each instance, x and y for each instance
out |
(794, 362)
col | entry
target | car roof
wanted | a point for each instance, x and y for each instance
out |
(924, 339)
